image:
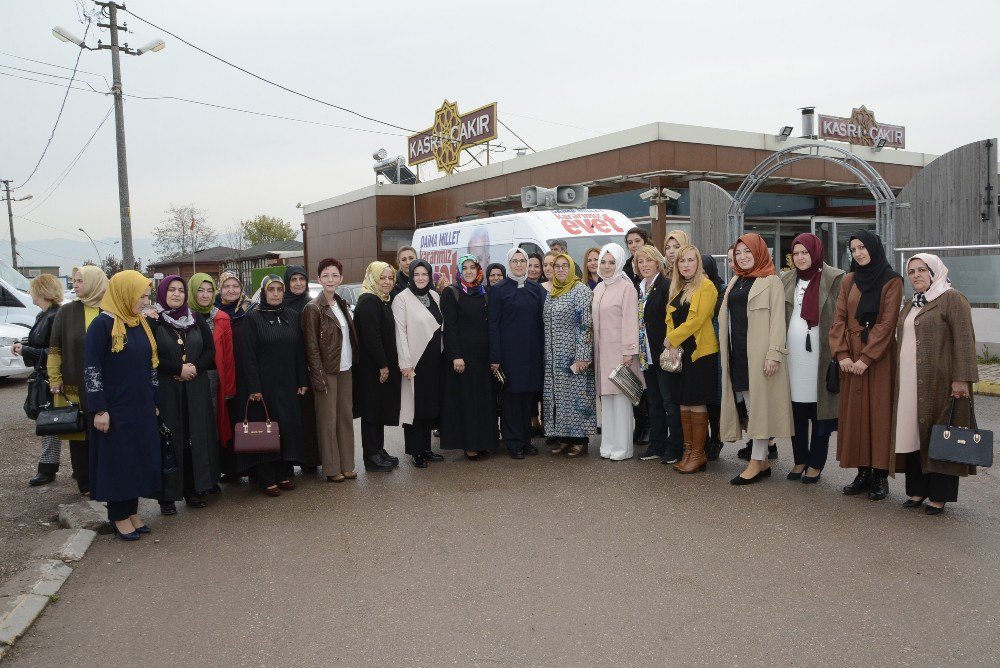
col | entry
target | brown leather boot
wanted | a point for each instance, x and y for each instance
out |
(697, 460)
(688, 434)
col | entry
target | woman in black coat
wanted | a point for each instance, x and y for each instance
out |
(296, 298)
(469, 408)
(186, 349)
(665, 433)
(377, 379)
(47, 294)
(273, 373)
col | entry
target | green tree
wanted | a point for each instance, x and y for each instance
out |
(265, 229)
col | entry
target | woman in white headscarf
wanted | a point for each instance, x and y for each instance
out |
(616, 341)
(937, 366)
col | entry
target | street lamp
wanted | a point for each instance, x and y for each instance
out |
(10, 220)
(64, 35)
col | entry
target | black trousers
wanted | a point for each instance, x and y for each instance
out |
(417, 436)
(516, 422)
(271, 473)
(810, 450)
(120, 510)
(372, 438)
(938, 487)
(79, 457)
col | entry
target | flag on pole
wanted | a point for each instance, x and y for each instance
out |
(192, 223)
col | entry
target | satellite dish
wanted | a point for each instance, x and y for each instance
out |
(380, 154)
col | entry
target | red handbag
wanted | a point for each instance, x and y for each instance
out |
(256, 437)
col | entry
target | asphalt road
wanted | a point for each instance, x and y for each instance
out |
(545, 561)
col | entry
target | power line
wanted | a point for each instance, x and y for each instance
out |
(62, 176)
(59, 115)
(53, 227)
(61, 67)
(53, 76)
(268, 81)
(515, 134)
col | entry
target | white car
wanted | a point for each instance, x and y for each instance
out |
(11, 364)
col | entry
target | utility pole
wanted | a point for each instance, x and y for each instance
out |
(110, 9)
(125, 209)
(10, 220)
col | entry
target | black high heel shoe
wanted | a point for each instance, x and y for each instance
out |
(913, 503)
(933, 510)
(795, 475)
(763, 473)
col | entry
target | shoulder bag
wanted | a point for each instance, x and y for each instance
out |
(256, 437)
(961, 445)
(39, 393)
(53, 421)
(833, 377)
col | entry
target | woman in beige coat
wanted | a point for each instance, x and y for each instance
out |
(937, 366)
(419, 344)
(754, 356)
(616, 341)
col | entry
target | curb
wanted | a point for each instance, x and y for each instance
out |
(986, 388)
(29, 592)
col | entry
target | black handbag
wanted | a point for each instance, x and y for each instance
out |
(39, 393)
(961, 445)
(56, 420)
(167, 455)
(833, 377)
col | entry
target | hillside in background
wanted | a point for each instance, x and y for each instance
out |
(68, 253)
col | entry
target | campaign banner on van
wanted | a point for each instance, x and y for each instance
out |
(442, 248)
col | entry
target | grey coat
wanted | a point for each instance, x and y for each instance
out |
(828, 405)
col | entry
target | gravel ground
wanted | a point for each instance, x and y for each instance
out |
(25, 512)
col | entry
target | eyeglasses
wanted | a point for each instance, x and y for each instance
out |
(518, 262)
(561, 266)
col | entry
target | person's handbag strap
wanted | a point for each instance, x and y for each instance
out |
(246, 411)
(972, 413)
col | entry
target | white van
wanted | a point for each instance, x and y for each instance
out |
(489, 239)
(16, 306)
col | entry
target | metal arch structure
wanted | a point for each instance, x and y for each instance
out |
(885, 201)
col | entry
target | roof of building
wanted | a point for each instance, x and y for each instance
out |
(616, 140)
(213, 254)
(271, 247)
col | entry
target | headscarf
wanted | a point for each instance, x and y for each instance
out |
(370, 284)
(680, 236)
(264, 305)
(520, 280)
(810, 301)
(193, 285)
(124, 290)
(296, 302)
(95, 283)
(619, 254)
(179, 317)
(476, 286)
(711, 268)
(763, 265)
(940, 283)
(412, 287)
(237, 309)
(871, 278)
(560, 288)
(489, 270)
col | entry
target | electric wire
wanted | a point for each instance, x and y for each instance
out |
(59, 115)
(61, 67)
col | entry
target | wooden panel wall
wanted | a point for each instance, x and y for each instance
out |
(709, 206)
(947, 200)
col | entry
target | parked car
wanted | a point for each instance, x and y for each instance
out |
(16, 306)
(11, 364)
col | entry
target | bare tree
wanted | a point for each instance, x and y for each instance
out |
(183, 231)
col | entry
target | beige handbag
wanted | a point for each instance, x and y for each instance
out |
(670, 366)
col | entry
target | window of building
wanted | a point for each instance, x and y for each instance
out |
(392, 240)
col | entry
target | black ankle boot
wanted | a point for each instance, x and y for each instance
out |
(419, 461)
(879, 486)
(861, 482)
(432, 456)
(46, 474)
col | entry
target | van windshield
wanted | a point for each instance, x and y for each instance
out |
(13, 277)
(577, 246)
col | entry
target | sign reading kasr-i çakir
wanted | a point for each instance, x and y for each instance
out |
(451, 134)
(861, 129)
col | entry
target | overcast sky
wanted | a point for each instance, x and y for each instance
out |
(560, 71)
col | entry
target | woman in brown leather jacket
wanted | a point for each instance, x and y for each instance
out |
(331, 350)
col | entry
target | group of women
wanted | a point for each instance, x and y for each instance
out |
(761, 356)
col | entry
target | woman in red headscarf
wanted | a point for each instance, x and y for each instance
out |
(811, 290)
(754, 356)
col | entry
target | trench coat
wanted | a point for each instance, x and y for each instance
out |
(946, 352)
(864, 438)
(771, 413)
(616, 331)
(827, 404)
(417, 332)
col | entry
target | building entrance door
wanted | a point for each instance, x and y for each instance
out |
(836, 236)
